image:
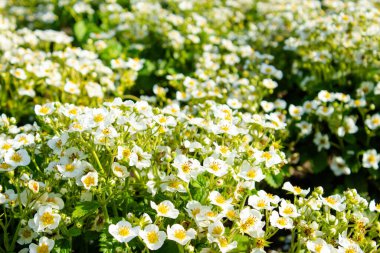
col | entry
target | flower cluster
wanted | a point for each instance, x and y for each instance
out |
(189, 126)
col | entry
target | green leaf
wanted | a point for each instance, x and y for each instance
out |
(319, 162)
(170, 246)
(85, 208)
(62, 246)
(274, 180)
(74, 231)
(80, 30)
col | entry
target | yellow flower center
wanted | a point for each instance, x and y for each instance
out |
(331, 200)
(350, 250)
(4, 166)
(89, 180)
(6, 146)
(223, 242)
(297, 189)
(224, 149)
(250, 221)
(186, 167)
(225, 128)
(98, 118)
(43, 248)
(47, 219)
(266, 155)
(44, 110)
(126, 153)
(195, 211)
(220, 199)
(372, 158)
(218, 230)
(180, 234)
(318, 248)
(73, 111)
(288, 210)
(174, 184)
(376, 121)
(214, 166)
(152, 237)
(69, 167)
(123, 231)
(16, 157)
(261, 203)
(162, 208)
(282, 221)
(251, 173)
(162, 120)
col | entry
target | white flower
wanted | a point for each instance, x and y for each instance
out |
(135, 64)
(259, 203)
(374, 207)
(123, 231)
(165, 121)
(249, 172)
(296, 111)
(178, 234)
(217, 199)
(348, 245)
(193, 208)
(325, 96)
(250, 222)
(280, 222)
(18, 73)
(272, 198)
(70, 169)
(17, 158)
(26, 235)
(234, 103)
(56, 143)
(165, 209)
(371, 159)
(269, 83)
(187, 167)
(34, 186)
(44, 220)
(123, 153)
(270, 157)
(172, 183)
(295, 189)
(43, 110)
(224, 244)
(4, 167)
(90, 179)
(373, 122)
(349, 126)
(322, 141)
(94, 90)
(119, 170)
(318, 246)
(152, 237)
(71, 88)
(288, 210)
(215, 166)
(139, 158)
(267, 106)
(7, 196)
(325, 111)
(45, 245)
(339, 166)
(336, 202)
